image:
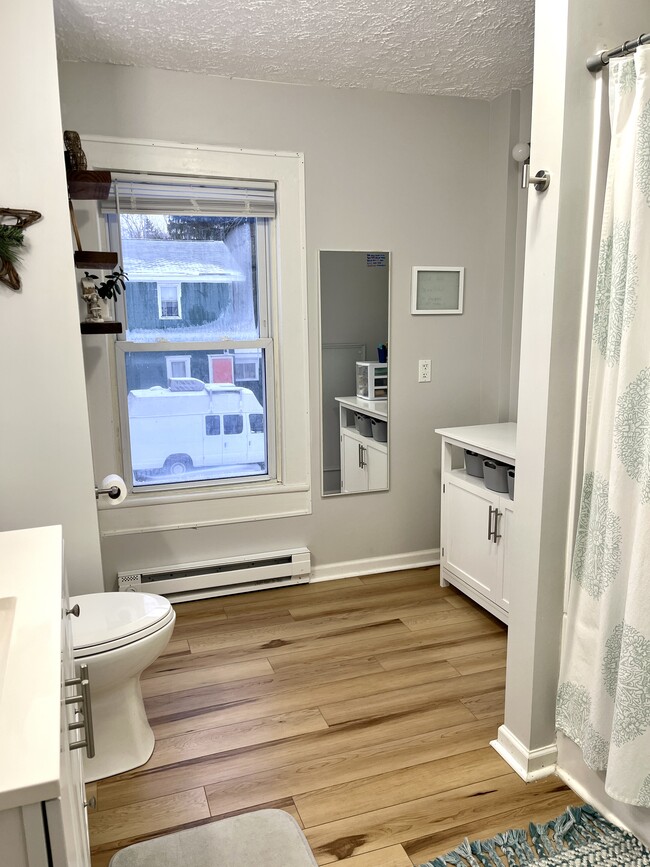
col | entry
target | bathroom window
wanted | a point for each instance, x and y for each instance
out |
(239, 260)
(199, 262)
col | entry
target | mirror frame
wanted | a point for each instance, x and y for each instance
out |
(328, 494)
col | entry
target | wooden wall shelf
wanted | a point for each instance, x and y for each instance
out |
(89, 185)
(101, 259)
(101, 327)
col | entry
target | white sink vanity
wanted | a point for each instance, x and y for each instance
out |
(476, 523)
(43, 819)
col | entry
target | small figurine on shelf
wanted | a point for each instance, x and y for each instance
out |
(75, 158)
(91, 297)
(107, 290)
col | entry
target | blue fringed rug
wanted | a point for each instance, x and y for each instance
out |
(581, 837)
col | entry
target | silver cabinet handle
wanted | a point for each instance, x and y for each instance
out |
(490, 523)
(74, 610)
(496, 535)
(363, 459)
(360, 464)
(86, 708)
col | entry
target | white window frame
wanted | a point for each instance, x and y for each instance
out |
(177, 286)
(289, 493)
(186, 359)
(265, 235)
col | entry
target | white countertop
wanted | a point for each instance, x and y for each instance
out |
(493, 440)
(30, 665)
(375, 408)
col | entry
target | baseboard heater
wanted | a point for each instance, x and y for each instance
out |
(221, 577)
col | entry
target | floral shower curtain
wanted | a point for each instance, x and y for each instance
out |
(603, 700)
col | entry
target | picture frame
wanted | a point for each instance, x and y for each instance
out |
(437, 290)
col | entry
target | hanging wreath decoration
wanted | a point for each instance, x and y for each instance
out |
(12, 238)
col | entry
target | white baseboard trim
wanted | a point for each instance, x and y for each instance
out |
(531, 765)
(373, 565)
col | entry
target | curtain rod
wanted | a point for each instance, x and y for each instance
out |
(599, 61)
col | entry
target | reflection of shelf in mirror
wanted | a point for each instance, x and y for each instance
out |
(366, 441)
(375, 409)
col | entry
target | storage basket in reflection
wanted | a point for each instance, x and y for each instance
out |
(380, 430)
(362, 424)
(372, 380)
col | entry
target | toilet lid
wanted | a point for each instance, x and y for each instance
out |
(110, 620)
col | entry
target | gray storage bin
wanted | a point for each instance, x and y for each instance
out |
(495, 475)
(379, 430)
(511, 482)
(474, 464)
(362, 424)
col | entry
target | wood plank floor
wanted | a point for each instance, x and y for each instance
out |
(362, 707)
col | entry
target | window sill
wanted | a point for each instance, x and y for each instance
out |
(189, 495)
(176, 511)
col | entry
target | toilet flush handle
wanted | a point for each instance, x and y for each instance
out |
(74, 610)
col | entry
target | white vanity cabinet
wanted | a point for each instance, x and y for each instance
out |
(364, 460)
(476, 523)
(43, 819)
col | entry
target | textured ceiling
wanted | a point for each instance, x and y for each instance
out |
(477, 48)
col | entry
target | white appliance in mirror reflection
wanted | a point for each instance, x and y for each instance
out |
(354, 326)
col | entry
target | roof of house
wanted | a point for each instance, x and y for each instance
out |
(187, 261)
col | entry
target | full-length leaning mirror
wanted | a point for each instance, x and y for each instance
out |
(354, 305)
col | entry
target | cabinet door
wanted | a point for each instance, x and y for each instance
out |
(377, 460)
(468, 552)
(505, 528)
(354, 476)
(67, 820)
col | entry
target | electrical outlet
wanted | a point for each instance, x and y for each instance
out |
(424, 370)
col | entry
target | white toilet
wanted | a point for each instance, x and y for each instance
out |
(117, 635)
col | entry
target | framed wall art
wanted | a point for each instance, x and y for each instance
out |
(436, 290)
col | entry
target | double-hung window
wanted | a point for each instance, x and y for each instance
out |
(202, 403)
(196, 365)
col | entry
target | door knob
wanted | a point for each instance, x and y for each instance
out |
(74, 611)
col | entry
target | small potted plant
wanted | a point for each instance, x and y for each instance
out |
(108, 290)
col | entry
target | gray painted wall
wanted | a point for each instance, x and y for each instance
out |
(384, 171)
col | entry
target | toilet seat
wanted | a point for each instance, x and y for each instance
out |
(111, 620)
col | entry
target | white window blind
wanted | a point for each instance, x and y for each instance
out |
(151, 195)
